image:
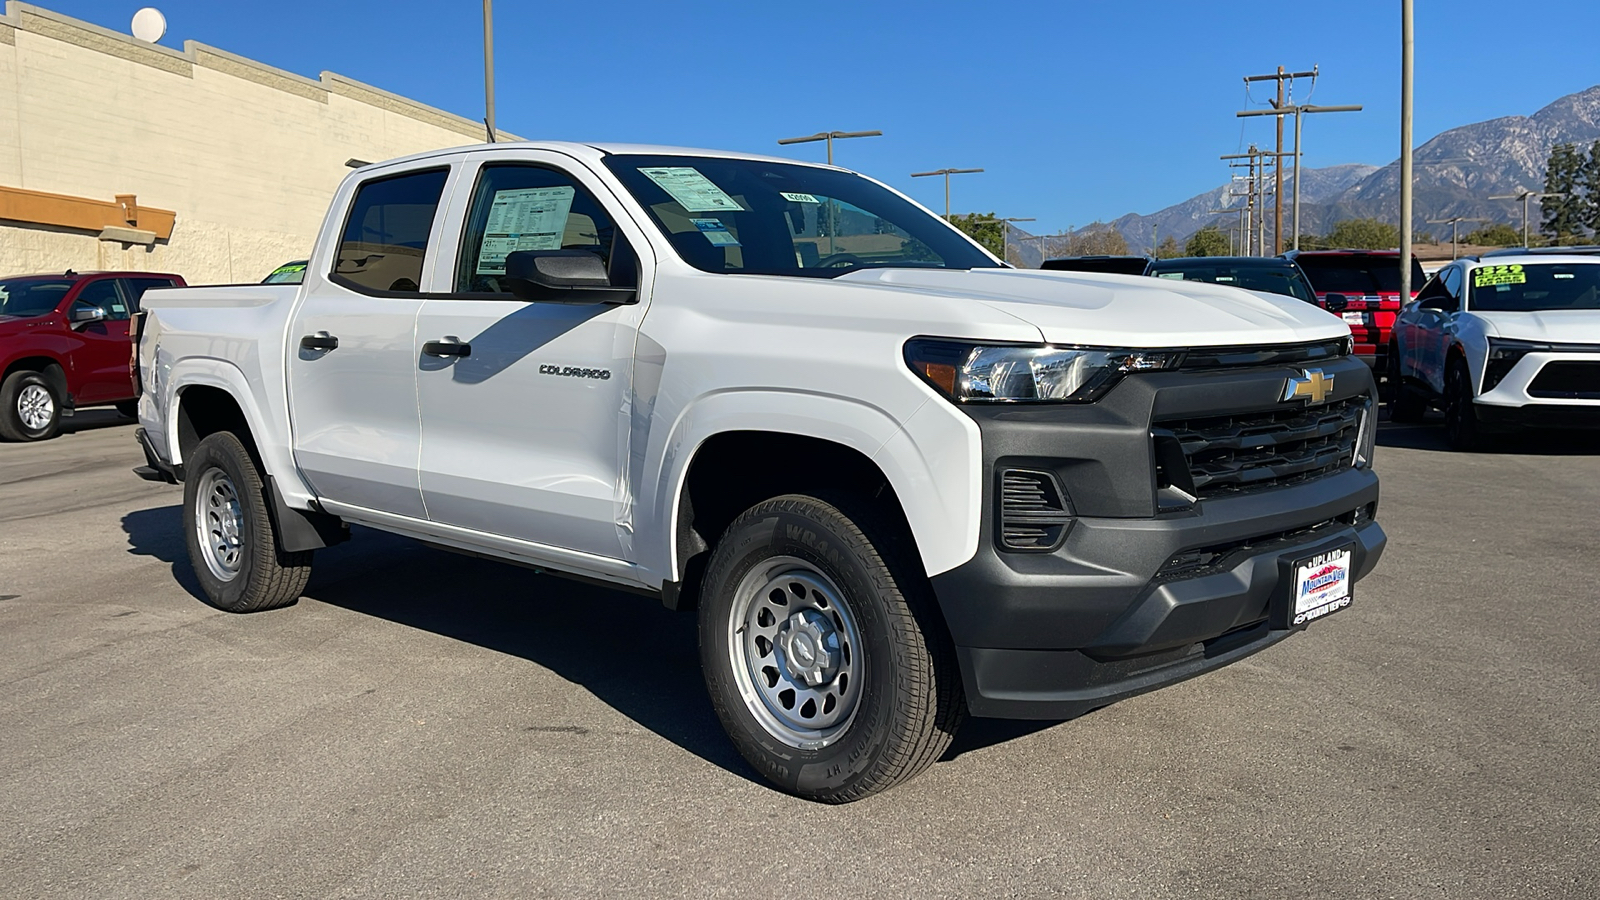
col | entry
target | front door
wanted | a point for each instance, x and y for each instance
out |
(100, 361)
(352, 375)
(525, 437)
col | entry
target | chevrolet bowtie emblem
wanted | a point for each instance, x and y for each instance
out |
(1315, 387)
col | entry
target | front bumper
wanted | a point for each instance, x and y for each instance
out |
(1133, 599)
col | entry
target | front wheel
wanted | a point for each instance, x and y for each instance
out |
(30, 408)
(232, 547)
(824, 655)
(1460, 413)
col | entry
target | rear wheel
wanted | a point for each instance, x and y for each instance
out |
(232, 547)
(1460, 414)
(30, 407)
(1404, 405)
(824, 655)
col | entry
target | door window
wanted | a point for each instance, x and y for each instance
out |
(386, 236)
(104, 294)
(523, 207)
(137, 286)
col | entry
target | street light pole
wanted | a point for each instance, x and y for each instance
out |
(1454, 222)
(1295, 110)
(1524, 197)
(946, 173)
(488, 67)
(829, 136)
(1005, 234)
(1407, 46)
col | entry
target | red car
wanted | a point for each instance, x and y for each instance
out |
(64, 344)
(1363, 287)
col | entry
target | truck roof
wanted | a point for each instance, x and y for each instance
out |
(590, 152)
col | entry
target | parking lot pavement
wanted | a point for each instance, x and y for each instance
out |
(424, 724)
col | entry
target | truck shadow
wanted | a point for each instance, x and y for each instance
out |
(636, 656)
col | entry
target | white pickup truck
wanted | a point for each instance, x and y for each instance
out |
(899, 480)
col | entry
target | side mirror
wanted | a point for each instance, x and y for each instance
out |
(562, 276)
(87, 315)
(1335, 302)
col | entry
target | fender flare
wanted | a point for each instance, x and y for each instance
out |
(227, 377)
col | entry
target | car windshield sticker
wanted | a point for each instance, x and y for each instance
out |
(284, 270)
(1177, 275)
(1224, 279)
(1484, 276)
(798, 198)
(523, 219)
(693, 191)
(716, 232)
(1562, 275)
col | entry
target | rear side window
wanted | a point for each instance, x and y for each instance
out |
(386, 237)
(104, 294)
(137, 286)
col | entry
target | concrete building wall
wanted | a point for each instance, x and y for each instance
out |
(246, 155)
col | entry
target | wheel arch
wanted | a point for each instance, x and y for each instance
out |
(52, 368)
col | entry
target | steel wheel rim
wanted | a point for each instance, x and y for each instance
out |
(796, 652)
(35, 407)
(219, 524)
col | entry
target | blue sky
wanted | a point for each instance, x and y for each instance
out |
(1076, 110)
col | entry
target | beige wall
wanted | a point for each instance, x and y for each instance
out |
(246, 155)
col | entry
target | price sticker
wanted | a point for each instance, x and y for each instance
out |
(1486, 276)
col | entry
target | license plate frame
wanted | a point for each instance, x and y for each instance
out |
(1353, 317)
(1314, 587)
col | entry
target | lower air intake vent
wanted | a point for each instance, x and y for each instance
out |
(1033, 511)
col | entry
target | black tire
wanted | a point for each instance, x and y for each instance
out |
(906, 701)
(1405, 404)
(1460, 414)
(30, 407)
(252, 574)
(128, 409)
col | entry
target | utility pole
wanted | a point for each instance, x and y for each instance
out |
(488, 67)
(829, 136)
(1005, 233)
(1280, 77)
(1296, 111)
(1407, 45)
(1254, 189)
(1453, 222)
(1524, 197)
(946, 173)
(1044, 248)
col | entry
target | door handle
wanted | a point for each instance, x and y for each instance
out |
(319, 341)
(450, 346)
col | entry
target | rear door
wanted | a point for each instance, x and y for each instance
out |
(100, 361)
(526, 437)
(352, 372)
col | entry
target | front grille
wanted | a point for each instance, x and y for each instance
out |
(1033, 510)
(1252, 451)
(1567, 381)
(1270, 355)
(1215, 558)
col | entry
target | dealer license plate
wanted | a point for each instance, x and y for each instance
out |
(1322, 585)
(1354, 318)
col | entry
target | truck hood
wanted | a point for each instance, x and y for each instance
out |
(1555, 326)
(1123, 310)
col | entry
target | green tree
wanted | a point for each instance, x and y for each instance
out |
(1562, 208)
(983, 228)
(1362, 234)
(1097, 239)
(1495, 234)
(1589, 188)
(1168, 248)
(1208, 241)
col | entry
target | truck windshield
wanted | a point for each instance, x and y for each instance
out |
(1252, 277)
(1532, 287)
(765, 218)
(32, 296)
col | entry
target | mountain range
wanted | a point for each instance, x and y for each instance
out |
(1455, 174)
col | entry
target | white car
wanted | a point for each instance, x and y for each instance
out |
(1501, 344)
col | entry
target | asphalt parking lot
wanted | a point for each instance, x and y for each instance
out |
(424, 724)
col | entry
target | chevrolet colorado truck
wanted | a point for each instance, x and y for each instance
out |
(898, 481)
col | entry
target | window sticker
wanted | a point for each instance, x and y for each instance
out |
(523, 219)
(1562, 275)
(716, 232)
(1224, 279)
(282, 270)
(693, 191)
(798, 198)
(1484, 276)
(1177, 275)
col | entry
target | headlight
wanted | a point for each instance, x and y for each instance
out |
(1503, 357)
(1027, 373)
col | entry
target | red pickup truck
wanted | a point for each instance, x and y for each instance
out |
(1363, 288)
(64, 344)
